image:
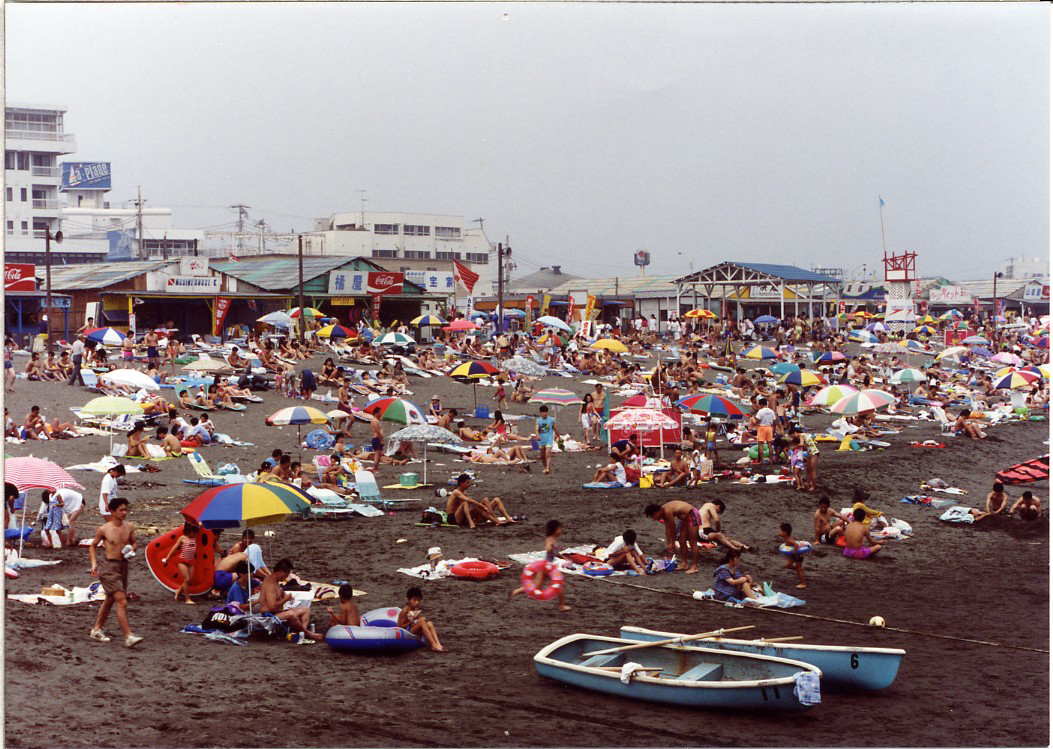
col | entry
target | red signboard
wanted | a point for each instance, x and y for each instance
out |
(384, 283)
(20, 277)
(222, 304)
(376, 304)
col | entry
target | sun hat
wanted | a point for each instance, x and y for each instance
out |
(435, 552)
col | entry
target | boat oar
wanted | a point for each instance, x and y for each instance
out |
(670, 641)
(619, 668)
(781, 639)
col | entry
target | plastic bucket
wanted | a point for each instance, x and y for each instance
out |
(408, 479)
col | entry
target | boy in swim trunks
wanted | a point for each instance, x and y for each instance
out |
(348, 615)
(794, 560)
(829, 524)
(856, 533)
(710, 527)
(1030, 509)
(682, 521)
(114, 535)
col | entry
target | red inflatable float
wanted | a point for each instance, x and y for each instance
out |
(555, 578)
(204, 571)
(475, 570)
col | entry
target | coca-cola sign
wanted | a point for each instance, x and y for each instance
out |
(343, 283)
(20, 277)
(385, 283)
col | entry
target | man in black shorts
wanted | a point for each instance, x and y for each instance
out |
(828, 523)
(376, 444)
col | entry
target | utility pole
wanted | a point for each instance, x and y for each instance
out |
(47, 262)
(164, 247)
(994, 307)
(262, 225)
(300, 323)
(139, 224)
(362, 202)
(242, 213)
(500, 286)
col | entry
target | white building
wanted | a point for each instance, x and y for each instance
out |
(35, 139)
(1026, 267)
(407, 242)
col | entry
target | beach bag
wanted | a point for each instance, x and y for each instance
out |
(223, 618)
(646, 482)
(433, 516)
(119, 450)
(154, 451)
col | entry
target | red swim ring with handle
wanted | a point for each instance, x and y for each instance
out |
(475, 570)
(555, 578)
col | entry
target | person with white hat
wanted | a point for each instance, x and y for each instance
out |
(434, 555)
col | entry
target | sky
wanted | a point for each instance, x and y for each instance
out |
(581, 132)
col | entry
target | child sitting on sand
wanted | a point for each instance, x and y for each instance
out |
(348, 615)
(794, 559)
(856, 533)
(411, 618)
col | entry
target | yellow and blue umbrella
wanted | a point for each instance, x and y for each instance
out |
(1017, 379)
(296, 415)
(423, 320)
(926, 330)
(803, 378)
(473, 370)
(336, 331)
(759, 352)
(246, 504)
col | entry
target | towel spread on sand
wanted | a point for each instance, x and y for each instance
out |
(442, 569)
(957, 514)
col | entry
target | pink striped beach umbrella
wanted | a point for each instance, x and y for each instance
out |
(864, 400)
(37, 473)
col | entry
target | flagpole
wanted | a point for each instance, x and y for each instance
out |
(881, 216)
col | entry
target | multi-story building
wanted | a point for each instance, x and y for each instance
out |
(35, 140)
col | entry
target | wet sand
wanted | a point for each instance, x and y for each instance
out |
(987, 582)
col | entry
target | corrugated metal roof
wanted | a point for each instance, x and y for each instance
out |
(99, 275)
(628, 286)
(789, 272)
(278, 272)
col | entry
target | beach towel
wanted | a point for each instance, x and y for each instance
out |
(957, 514)
(933, 502)
(806, 687)
(607, 485)
(442, 569)
(93, 592)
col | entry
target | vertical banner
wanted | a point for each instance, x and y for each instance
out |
(545, 302)
(222, 304)
(131, 323)
(469, 308)
(590, 305)
(377, 297)
(529, 312)
(570, 308)
(840, 308)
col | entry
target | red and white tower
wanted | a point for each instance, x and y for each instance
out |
(900, 283)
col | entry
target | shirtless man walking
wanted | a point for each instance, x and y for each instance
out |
(273, 600)
(151, 341)
(117, 537)
(376, 431)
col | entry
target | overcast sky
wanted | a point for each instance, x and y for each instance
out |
(583, 132)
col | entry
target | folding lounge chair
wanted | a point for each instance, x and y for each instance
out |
(205, 475)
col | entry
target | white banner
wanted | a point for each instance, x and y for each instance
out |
(192, 285)
(1036, 291)
(432, 280)
(900, 310)
(950, 295)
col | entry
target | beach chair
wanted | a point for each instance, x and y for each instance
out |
(366, 486)
(946, 425)
(205, 475)
(321, 463)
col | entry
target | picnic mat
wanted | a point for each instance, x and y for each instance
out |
(93, 592)
(442, 569)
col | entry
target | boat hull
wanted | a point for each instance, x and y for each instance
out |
(772, 691)
(843, 667)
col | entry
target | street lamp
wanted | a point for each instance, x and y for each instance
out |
(47, 264)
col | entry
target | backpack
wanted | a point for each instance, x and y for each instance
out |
(222, 618)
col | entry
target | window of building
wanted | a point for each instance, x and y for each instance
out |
(418, 254)
(10, 159)
(444, 255)
(447, 232)
(411, 230)
(477, 257)
(10, 194)
(385, 253)
(23, 161)
(10, 227)
(385, 228)
(25, 227)
(25, 195)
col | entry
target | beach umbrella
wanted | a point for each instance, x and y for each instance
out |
(336, 331)
(473, 370)
(132, 377)
(393, 339)
(784, 367)
(278, 319)
(421, 320)
(1041, 341)
(765, 320)
(830, 395)
(426, 433)
(759, 352)
(926, 319)
(863, 336)
(951, 315)
(641, 420)
(543, 339)
(704, 314)
(904, 376)
(609, 344)
(523, 366)
(208, 365)
(555, 397)
(976, 340)
(1045, 370)
(35, 473)
(553, 322)
(803, 378)
(714, 405)
(298, 415)
(877, 327)
(461, 325)
(863, 313)
(1016, 379)
(1006, 357)
(951, 352)
(105, 336)
(829, 357)
(1008, 370)
(888, 348)
(111, 405)
(643, 401)
(912, 346)
(864, 400)
(926, 330)
(336, 414)
(395, 410)
(311, 312)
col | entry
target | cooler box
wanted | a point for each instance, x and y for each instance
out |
(408, 479)
(482, 411)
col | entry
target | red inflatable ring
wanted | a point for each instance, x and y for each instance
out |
(475, 570)
(555, 577)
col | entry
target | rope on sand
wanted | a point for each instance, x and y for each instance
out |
(839, 621)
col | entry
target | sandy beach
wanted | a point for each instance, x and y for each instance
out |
(949, 588)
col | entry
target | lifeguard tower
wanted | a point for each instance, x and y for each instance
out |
(900, 280)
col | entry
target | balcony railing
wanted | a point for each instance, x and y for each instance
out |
(45, 205)
(46, 171)
(38, 135)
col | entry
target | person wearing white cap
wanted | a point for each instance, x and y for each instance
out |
(435, 407)
(434, 555)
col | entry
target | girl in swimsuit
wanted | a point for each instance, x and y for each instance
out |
(187, 546)
(553, 551)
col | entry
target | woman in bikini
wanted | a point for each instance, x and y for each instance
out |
(187, 546)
